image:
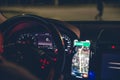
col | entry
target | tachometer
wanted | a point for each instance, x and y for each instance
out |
(68, 43)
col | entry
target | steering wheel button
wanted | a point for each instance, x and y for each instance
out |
(56, 51)
(54, 59)
(48, 62)
(41, 60)
(42, 67)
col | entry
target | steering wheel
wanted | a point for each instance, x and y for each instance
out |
(47, 64)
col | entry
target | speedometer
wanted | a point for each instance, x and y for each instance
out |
(67, 42)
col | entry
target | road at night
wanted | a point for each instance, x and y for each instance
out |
(65, 13)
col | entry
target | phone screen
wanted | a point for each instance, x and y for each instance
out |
(80, 60)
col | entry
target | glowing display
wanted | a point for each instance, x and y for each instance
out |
(80, 61)
(82, 43)
(110, 68)
(44, 40)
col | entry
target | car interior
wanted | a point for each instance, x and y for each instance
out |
(34, 47)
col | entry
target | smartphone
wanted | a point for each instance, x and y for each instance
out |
(80, 60)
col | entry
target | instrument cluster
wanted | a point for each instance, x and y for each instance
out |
(39, 40)
(43, 40)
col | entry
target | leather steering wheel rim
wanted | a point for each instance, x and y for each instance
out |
(8, 26)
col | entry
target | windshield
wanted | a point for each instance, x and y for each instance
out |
(66, 10)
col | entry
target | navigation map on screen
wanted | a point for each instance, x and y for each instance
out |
(80, 61)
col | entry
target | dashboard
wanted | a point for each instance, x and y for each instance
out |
(104, 37)
(37, 44)
(57, 50)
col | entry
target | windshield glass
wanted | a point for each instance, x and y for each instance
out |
(66, 10)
